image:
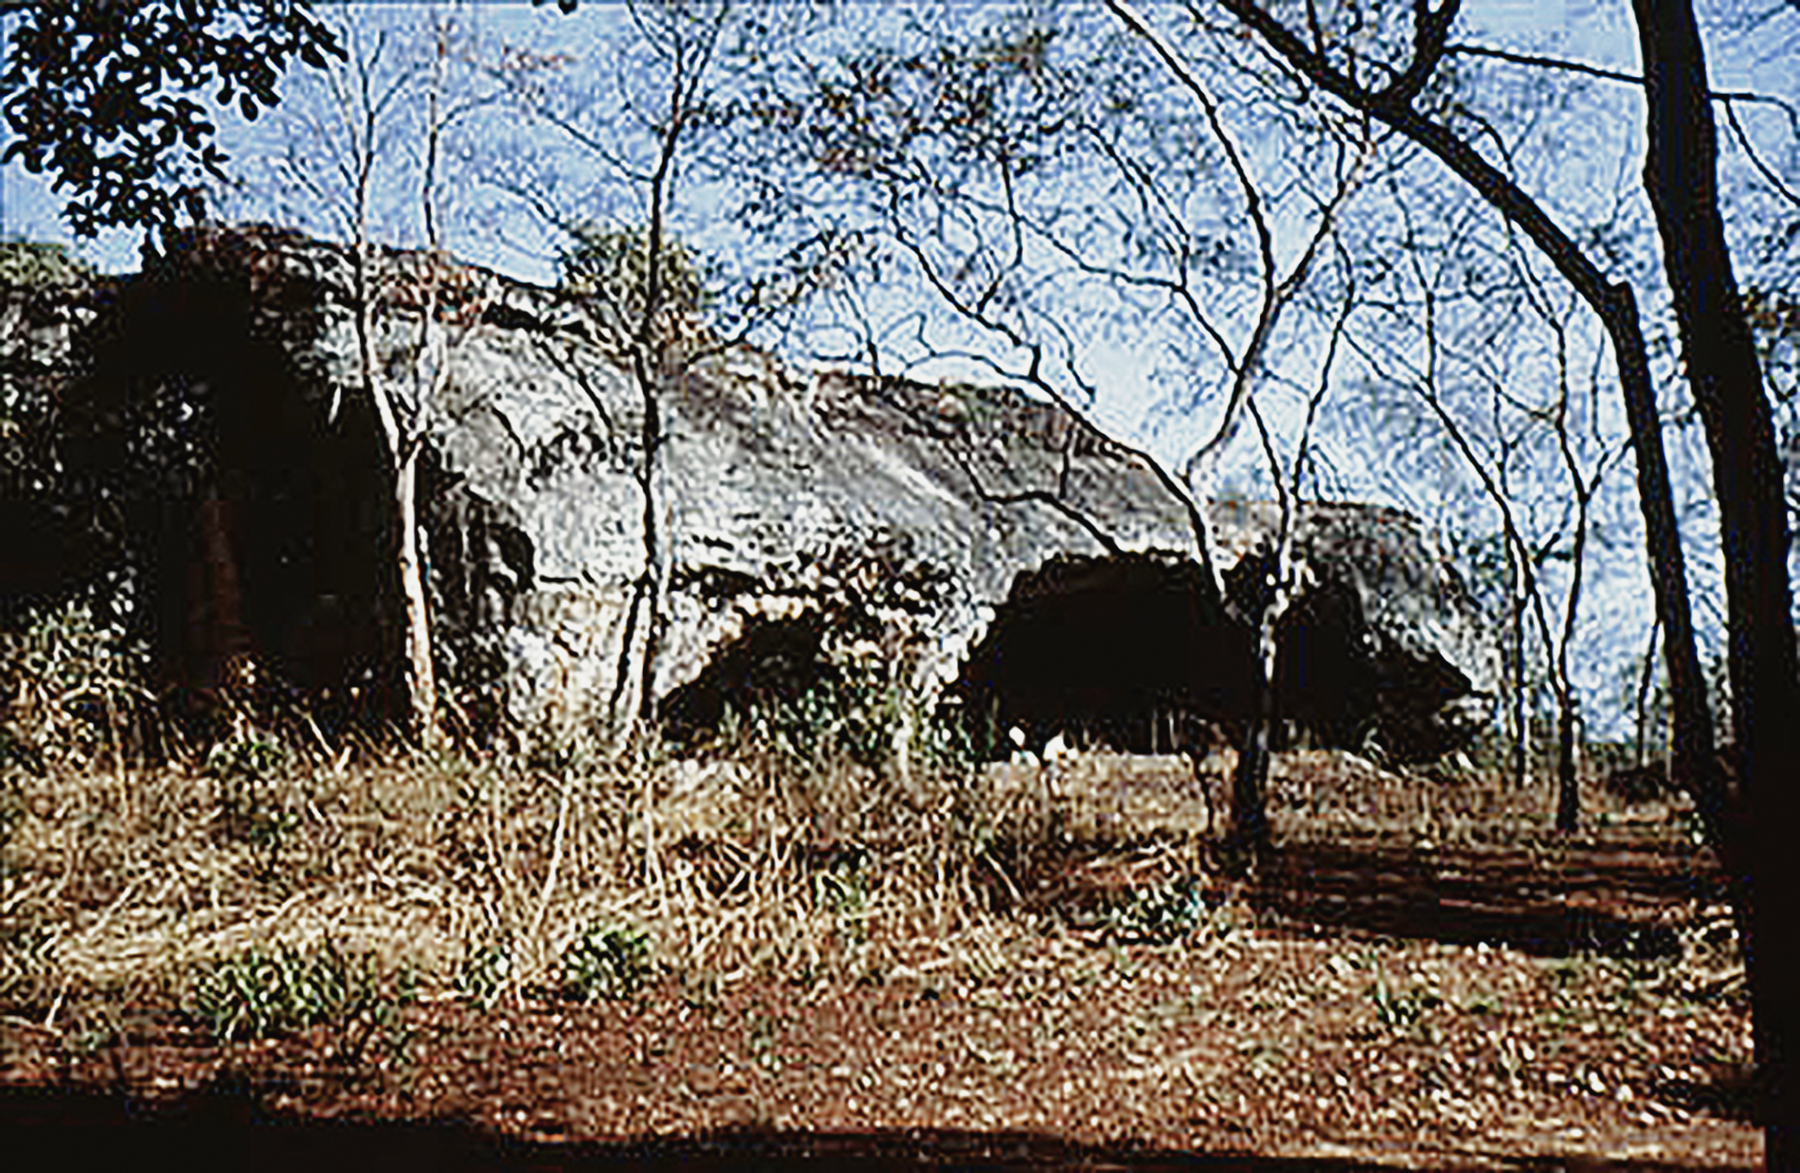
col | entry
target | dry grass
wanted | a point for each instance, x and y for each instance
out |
(554, 867)
(483, 875)
(786, 924)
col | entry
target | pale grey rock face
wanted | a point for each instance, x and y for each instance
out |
(1791, 457)
(916, 530)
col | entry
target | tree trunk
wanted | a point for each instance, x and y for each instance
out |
(1691, 763)
(1568, 782)
(1641, 756)
(1521, 701)
(1726, 378)
(421, 678)
(1249, 780)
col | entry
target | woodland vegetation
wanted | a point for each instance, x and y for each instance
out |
(1354, 251)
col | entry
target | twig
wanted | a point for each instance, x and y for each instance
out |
(556, 853)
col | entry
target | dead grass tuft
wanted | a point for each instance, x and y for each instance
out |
(540, 868)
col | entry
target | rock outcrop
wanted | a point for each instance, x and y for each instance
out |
(970, 543)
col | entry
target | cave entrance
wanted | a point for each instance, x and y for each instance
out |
(1126, 652)
(260, 527)
(772, 664)
(1136, 653)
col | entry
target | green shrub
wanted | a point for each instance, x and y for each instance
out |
(611, 267)
(246, 766)
(1399, 1009)
(248, 755)
(1161, 914)
(611, 962)
(73, 688)
(484, 974)
(259, 995)
(28, 974)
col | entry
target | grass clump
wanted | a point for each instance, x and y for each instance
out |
(1161, 914)
(1399, 1008)
(73, 690)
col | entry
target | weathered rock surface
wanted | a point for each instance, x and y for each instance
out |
(970, 542)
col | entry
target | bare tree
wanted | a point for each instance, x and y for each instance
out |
(344, 156)
(1326, 61)
(1727, 385)
(1581, 483)
(635, 270)
(1283, 583)
(430, 376)
(1249, 781)
(359, 108)
(1727, 382)
(1516, 424)
(965, 153)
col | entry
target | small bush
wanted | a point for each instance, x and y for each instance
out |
(246, 767)
(259, 995)
(484, 974)
(1162, 914)
(1400, 1009)
(612, 267)
(611, 962)
(28, 974)
(73, 690)
(248, 755)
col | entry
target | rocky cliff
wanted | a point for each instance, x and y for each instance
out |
(969, 543)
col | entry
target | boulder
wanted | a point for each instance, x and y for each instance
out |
(1383, 637)
(969, 544)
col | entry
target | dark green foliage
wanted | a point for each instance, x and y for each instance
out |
(485, 973)
(73, 689)
(102, 96)
(1401, 1008)
(611, 962)
(257, 994)
(612, 267)
(1162, 914)
(848, 713)
(246, 765)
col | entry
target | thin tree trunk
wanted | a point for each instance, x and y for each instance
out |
(1521, 763)
(421, 677)
(1568, 781)
(1680, 173)
(1249, 803)
(1643, 696)
(1568, 772)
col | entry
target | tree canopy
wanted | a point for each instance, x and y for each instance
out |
(108, 97)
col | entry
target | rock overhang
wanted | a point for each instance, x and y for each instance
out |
(913, 518)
